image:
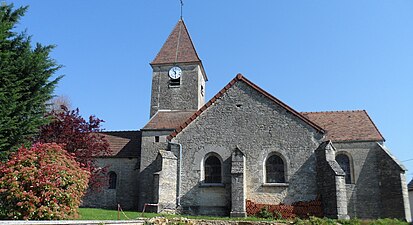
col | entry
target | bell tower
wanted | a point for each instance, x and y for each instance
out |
(178, 77)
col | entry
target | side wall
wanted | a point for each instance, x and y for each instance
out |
(149, 167)
(378, 186)
(246, 119)
(393, 187)
(411, 201)
(126, 192)
(363, 195)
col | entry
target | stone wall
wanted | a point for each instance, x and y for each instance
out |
(376, 190)
(363, 194)
(185, 97)
(246, 119)
(149, 167)
(165, 182)
(331, 182)
(411, 201)
(126, 192)
(393, 186)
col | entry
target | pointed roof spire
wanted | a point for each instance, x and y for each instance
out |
(178, 48)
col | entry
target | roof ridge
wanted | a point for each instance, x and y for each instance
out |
(237, 78)
(336, 111)
(119, 131)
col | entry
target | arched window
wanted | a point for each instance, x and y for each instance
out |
(112, 180)
(344, 162)
(213, 169)
(274, 170)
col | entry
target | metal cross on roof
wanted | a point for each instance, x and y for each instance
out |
(182, 5)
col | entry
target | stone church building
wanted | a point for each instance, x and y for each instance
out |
(245, 145)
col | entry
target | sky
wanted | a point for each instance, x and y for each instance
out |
(320, 55)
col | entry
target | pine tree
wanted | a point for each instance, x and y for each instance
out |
(26, 82)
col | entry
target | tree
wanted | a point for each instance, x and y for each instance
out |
(26, 82)
(41, 183)
(79, 137)
(56, 103)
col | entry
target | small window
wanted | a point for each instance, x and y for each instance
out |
(202, 90)
(213, 174)
(274, 170)
(156, 138)
(344, 162)
(112, 180)
(175, 82)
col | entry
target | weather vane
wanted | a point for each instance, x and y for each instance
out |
(182, 5)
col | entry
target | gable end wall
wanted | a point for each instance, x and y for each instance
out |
(245, 118)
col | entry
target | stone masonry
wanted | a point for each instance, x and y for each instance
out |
(244, 128)
(331, 182)
(238, 112)
(410, 187)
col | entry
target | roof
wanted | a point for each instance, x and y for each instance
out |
(346, 125)
(124, 144)
(238, 78)
(410, 186)
(178, 47)
(167, 120)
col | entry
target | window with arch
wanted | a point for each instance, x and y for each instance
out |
(213, 170)
(344, 162)
(112, 180)
(274, 170)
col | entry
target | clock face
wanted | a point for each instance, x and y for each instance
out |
(175, 72)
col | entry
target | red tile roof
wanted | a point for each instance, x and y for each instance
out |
(238, 78)
(168, 120)
(346, 125)
(178, 48)
(124, 144)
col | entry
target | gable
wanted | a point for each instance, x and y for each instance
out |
(241, 80)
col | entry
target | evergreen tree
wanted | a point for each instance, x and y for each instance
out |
(26, 82)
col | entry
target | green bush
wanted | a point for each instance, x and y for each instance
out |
(265, 213)
(41, 183)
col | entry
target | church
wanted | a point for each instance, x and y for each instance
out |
(245, 149)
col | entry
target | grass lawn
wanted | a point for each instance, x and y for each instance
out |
(104, 214)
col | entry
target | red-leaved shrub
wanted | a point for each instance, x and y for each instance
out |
(80, 137)
(41, 183)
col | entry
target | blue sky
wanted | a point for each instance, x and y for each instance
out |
(321, 55)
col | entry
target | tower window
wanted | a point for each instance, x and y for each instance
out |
(202, 90)
(175, 82)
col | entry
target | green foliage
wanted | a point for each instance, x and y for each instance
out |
(388, 222)
(25, 82)
(41, 183)
(265, 213)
